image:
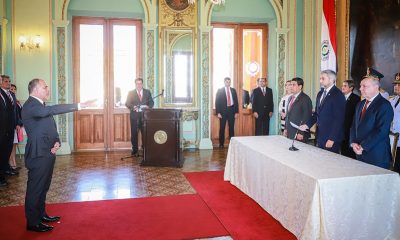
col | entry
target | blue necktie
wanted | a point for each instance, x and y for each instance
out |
(323, 97)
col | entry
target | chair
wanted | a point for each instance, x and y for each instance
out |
(394, 138)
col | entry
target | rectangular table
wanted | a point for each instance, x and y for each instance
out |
(313, 193)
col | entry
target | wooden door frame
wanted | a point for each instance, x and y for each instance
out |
(108, 73)
(238, 62)
(76, 21)
(112, 145)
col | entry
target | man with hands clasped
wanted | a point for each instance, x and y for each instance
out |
(369, 133)
(263, 107)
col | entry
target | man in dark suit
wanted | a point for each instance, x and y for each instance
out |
(227, 109)
(40, 151)
(6, 133)
(8, 123)
(369, 134)
(299, 110)
(137, 99)
(328, 114)
(351, 102)
(16, 119)
(263, 107)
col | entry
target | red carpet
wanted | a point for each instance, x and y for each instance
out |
(170, 217)
(241, 216)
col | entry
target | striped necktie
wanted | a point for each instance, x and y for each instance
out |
(364, 109)
(10, 97)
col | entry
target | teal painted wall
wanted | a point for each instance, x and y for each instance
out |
(8, 69)
(299, 37)
(107, 8)
(254, 11)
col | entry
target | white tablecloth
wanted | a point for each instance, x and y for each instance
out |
(313, 193)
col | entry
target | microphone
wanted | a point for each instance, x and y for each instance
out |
(162, 92)
(293, 148)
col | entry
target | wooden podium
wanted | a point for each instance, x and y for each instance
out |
(161, 138)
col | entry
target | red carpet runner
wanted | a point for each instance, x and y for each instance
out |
(170, 217)
(241, 216)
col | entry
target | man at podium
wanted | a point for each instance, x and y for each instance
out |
(137, 99)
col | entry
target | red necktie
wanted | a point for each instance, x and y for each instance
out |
(228, 97)
(364, 109)
(291, 102)
(140, 96)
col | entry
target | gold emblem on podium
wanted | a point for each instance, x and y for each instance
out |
(160, 137)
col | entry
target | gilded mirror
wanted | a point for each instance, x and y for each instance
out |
(178, 62)
(178, 24)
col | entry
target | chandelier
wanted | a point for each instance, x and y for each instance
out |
(217, 2)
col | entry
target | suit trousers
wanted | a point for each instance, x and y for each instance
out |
(262, 126)
(347, 151)
(397, 162)
(6, 145)
(136, 124)
(40, 172)
(230, 117)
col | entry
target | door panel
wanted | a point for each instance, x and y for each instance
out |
(243, 48)
(107, 59)
(125, 65)
(89, 77)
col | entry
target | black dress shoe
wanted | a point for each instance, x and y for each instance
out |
(47, 218)
(135, 153)
(39, 228)
(11, 172)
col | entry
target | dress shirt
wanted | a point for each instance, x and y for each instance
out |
(327, 92)
(347, 95)
(228, 91)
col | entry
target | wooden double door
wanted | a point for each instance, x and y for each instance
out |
(106, 61)
(239, 51)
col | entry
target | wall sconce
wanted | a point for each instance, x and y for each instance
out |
(31, 43)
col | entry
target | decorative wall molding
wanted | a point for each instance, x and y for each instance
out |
(205, 82)
(177, 14)
(281, 65)
(61, 81)
(190, 114)
(150, 27)
(150, 52)
(343, 39)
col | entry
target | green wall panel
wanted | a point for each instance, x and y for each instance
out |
(299, 37)
(255, 11)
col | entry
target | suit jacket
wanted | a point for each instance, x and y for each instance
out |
(262, 105)
(372, 132)
(329, 116)
(8, 114)
(41, 128)
(351, 104)
(133, 100)
(299, 113)
(221, 101)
